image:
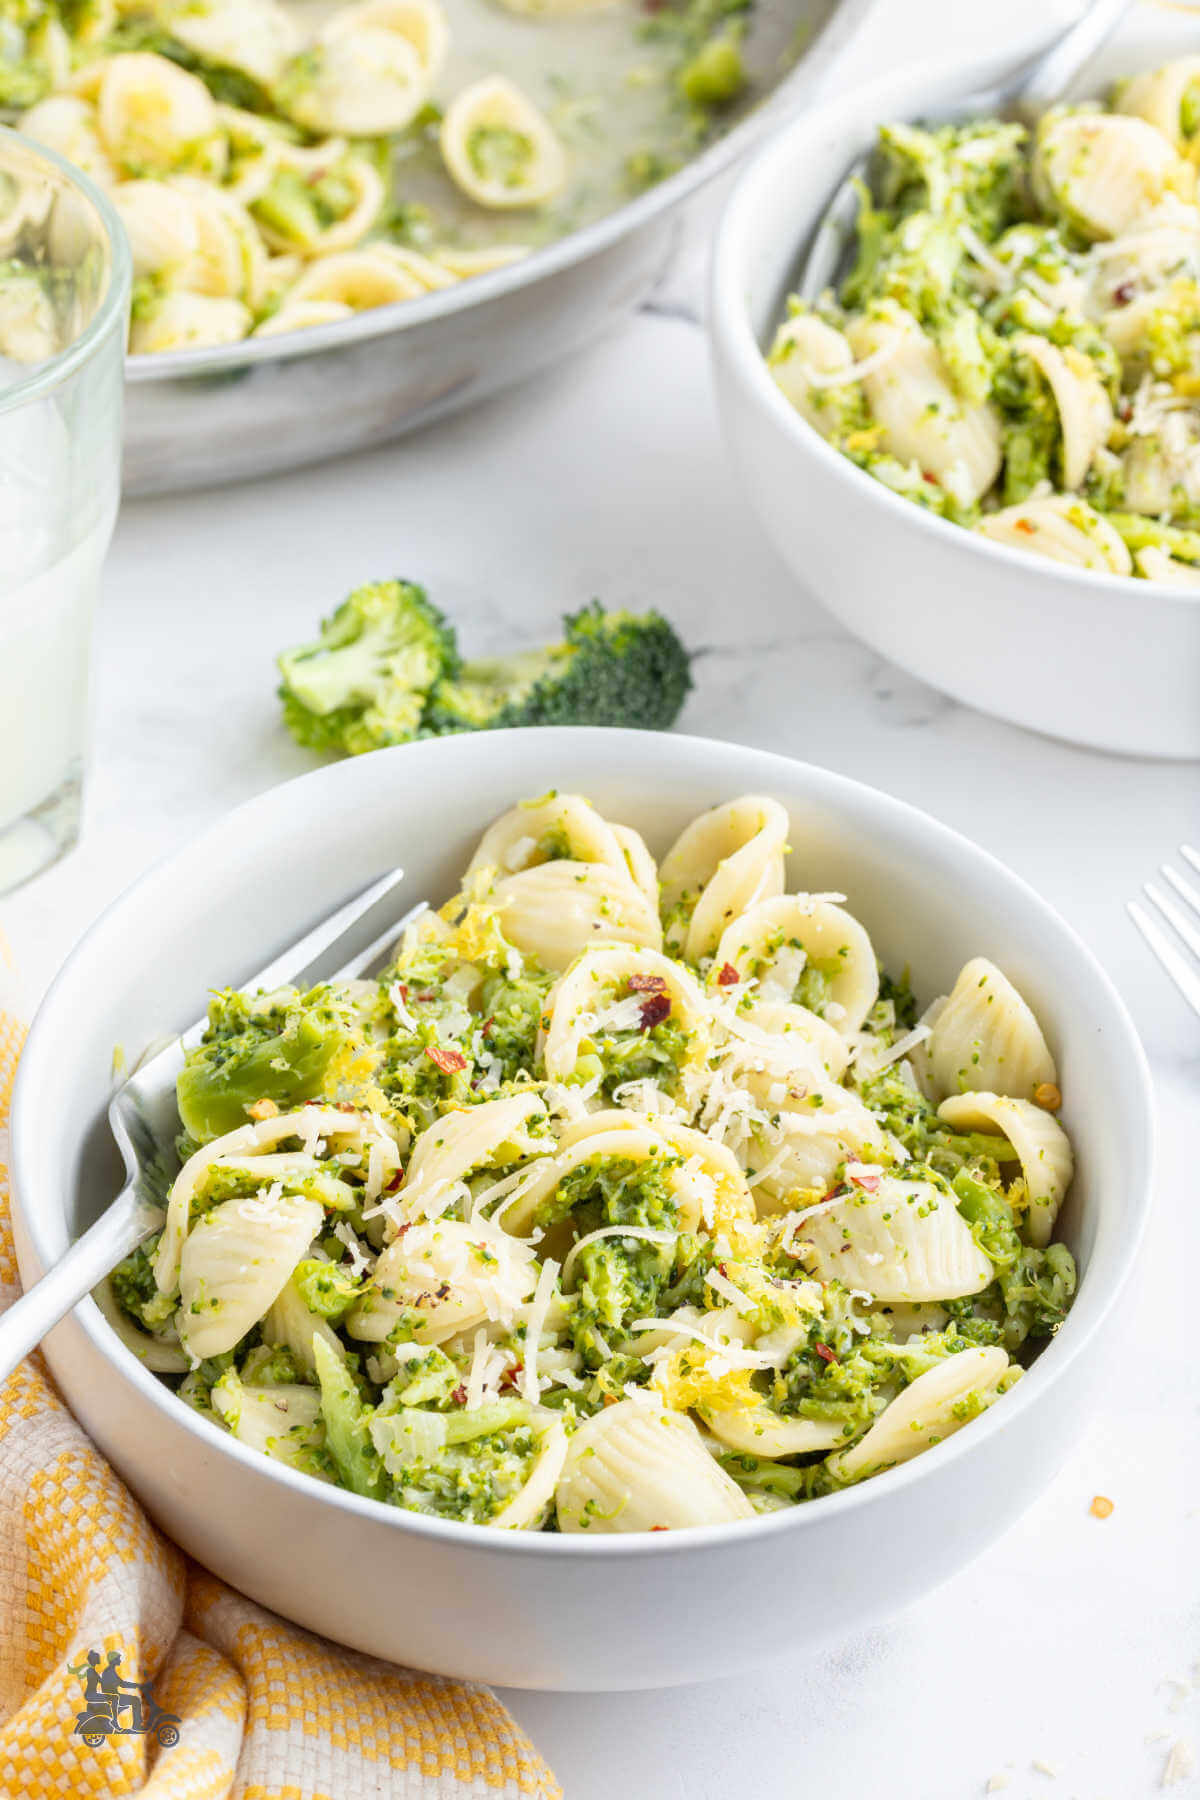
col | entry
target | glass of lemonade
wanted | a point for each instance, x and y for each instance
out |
(64, 303)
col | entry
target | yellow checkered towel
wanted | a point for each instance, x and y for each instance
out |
(243, 1704)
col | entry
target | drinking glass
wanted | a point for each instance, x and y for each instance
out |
(64, 303)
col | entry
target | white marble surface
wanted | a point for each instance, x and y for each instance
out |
(608, 479)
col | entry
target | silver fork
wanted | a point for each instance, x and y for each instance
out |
(144, 1123)
(1185, 974)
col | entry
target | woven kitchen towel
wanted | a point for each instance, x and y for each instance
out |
(265, 1711)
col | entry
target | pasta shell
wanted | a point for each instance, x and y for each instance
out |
(1084, 410)
(902, 1241)
(463, 264)
(639, 862)
(291, 1323)
(556, 9)
(369, 193)
(912, 401)
(1042, 1146)
(805, 348)
(813, 1136)
(160, 226)
(930, 1409)
(301, 315)
(519, 839)
(255, 36)
(357, 279)
(447, 1276)
(709, 1185)
(1156, 565)
(986, 1039)
(594, 995)
(1103, 172)
(1062, 527)
(499, 149)
(1158, 95)
(1161, 472)
(362, 81)
(633, 1140)
(775, 941)
(68, 124)
(234, 1262)
(29, 330)
(759, 1431)
(640, 1467)
(788, 1039)
(453, 1146)
(155, 118)
(527, 1510)
(183, 321)
(283, 1421)
(165, 1355)
(421, 22)
(555, 911)
(722, 864)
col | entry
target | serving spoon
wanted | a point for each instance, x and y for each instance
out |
(144, 1120)
(1037, 86)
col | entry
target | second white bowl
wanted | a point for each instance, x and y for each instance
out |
(534, 1609)
(1099, 659)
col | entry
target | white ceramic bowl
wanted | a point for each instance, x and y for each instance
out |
(540, 1610)
(1099, 659)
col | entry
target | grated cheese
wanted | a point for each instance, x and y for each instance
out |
(535, 1321)
(1180, 1763)
(741, 1303)
(855, 371)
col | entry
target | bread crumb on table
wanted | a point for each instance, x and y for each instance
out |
(1044, 1768)
(998, 1782)
(1101, 1506)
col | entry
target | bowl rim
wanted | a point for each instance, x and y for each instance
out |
(35, 1076)
(839, 24)
(734, 340)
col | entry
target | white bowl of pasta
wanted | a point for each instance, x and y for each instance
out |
(986, 544)
(568, 1297)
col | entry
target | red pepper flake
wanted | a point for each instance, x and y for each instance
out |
(1025, 525)
(396, 1183)
(931, 479)
(870, 1182)
(485, 1030)
(509, 1377)
(647, 984)
(403, 986)
(727, 975)
(459, 1394)
(1124, 294)
(660, 1528)
(448, 1061)
(431, 995)
(654, 1011)
(825, 1353)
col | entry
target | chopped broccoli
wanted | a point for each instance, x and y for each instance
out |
(613, 668)
(364, 683)
(716, 74)
(288, 1053)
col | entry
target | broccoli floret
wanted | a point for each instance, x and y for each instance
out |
(364, 683)
(613, 668)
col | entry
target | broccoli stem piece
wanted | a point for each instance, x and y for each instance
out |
(222, 1078)
(347, 1438)
(617, 668)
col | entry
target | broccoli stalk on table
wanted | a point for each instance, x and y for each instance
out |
(385, 670)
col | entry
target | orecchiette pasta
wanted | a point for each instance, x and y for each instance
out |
(1039, 1143)
(561, 1231)
(640, 1467)
(499, 148)
(1012, 346)
(723, 864)
(897, 1240)
(985, 1038)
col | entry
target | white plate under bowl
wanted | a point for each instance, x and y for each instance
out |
(536, 1609)
(1101, 660)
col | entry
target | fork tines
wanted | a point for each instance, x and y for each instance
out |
(1183, 970)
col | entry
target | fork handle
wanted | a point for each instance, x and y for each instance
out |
(119, 1229)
